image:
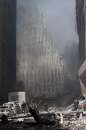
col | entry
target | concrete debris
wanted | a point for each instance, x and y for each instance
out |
(74, 117)
(71, 118)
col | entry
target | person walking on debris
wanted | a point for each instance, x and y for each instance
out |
(34, 111)
(23, 107)
(76, 104)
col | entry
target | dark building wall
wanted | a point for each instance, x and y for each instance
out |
(80, 28)
(7, 46)
(81, 22)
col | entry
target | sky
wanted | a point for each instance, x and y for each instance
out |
(60, 18)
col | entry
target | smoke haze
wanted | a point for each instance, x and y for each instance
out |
(54, 21)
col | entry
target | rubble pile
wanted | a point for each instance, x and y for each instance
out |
(76, 124)
(75, 116)
(71, 118)
(20, 119)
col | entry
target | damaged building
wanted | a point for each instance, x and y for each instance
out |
(39, 66)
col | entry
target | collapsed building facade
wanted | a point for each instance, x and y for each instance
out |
(39, 66)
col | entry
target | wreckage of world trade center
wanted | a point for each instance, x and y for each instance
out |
(28, 60)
